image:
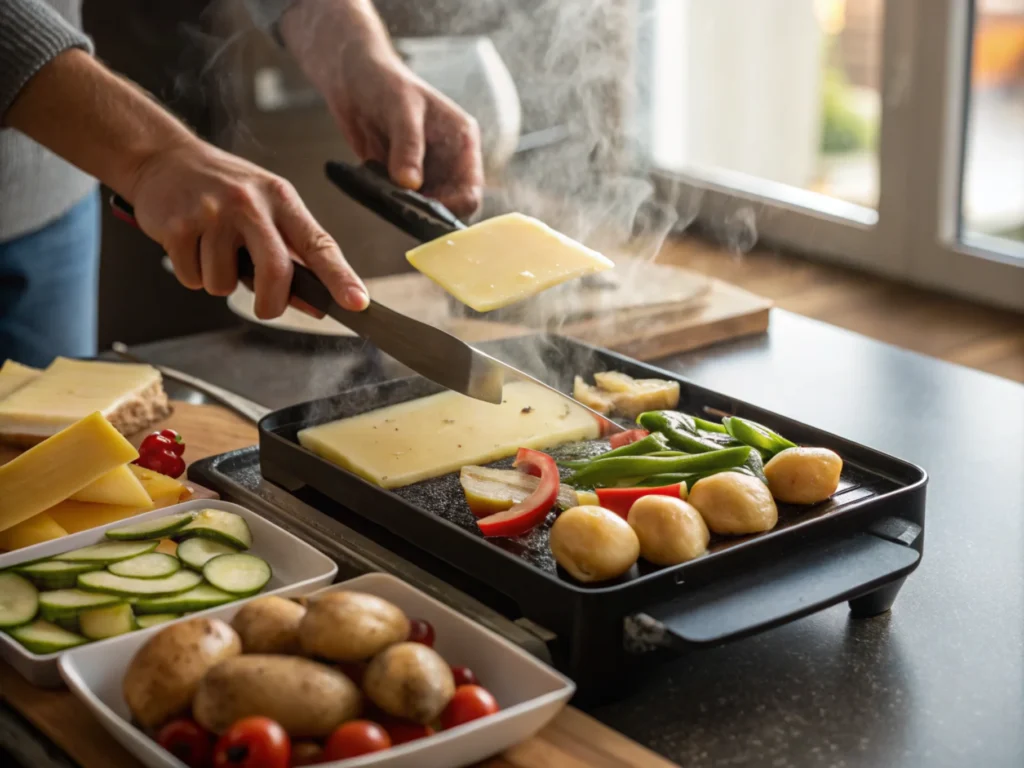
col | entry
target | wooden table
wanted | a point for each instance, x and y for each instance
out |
(572, 740)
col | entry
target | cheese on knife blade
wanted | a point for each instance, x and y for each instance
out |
(431, 436)
(504, 260)
(58, 467)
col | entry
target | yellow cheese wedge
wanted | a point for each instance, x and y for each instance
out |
(431, 436)
(35, 530)
(504, 260)
(50, 472)
(14, 376)
(163, 490)
(118, 486)
(130, 396)
(76, 516)
(167, 547)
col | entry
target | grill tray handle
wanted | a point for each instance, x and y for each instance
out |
(823, 574)
(416, 215)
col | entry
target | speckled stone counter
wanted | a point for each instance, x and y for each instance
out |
(937, 682)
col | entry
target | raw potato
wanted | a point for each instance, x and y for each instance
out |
(308, 699)
(351, 626)
(410, 680)
(732, 503)
(163, 676)
(803, 475)
(270, 625)
(593, 544)
(670, 530)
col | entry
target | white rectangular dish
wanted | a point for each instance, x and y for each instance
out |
(529, 692)
(297, 567)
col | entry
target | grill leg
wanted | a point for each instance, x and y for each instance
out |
(877, 602)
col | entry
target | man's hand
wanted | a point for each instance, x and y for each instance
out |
(202, 204)
(385, 112)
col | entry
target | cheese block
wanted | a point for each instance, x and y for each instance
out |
(504, 260)
(13, 376)
(77, 516)
(163, 490)
(118, 486)
(58, 467)
(130, 396)
(431, 436)
(35, 530)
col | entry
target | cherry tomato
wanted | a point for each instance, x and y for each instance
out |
(356, 737)
(253, 742)
(164, 462)
(420, 631)
(157, 442)
(307, 753)
(187, 741)
(470, 702)
(402, 731)
(174, 437)
(464, 676)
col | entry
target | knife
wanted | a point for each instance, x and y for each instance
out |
(429, 351)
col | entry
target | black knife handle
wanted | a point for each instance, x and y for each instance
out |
(413, 213)
(305, 284)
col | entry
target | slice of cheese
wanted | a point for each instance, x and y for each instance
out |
(163, 490)
(13, 376)
(431, 436)
(58, 467)
(118, 486)
(77, 516)
(129, 396)
(35, 530)
(504, 260)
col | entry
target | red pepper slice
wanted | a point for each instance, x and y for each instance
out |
(620, 500)
(533, 510)
(620, 439)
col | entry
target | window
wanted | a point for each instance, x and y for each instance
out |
(887, 134)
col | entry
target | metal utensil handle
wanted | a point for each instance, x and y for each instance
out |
(413, 213)
(240, 405)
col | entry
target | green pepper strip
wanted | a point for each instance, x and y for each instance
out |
(756, 436)
(708, 426)
(679, 429)
(650, 444)
(604, 471)
(671, 478)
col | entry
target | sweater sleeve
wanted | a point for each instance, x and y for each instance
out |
(31, 35)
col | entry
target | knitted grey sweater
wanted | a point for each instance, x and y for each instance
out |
(36, 186)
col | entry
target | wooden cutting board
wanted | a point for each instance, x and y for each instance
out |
(571, 740)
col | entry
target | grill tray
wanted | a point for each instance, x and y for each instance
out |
(858, 546)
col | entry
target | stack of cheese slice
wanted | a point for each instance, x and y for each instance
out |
(78, 479)
(35, 405)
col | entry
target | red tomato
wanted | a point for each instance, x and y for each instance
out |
(156, 442)
(464, 676)
(402, 731)
(470, 702)
(164, 462)
(179, 442)
(253, 742)
(187, 741)
(356, 737)
(420, 631)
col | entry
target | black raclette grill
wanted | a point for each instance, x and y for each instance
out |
(857, 547)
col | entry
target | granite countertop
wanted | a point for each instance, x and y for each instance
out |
(937, 682)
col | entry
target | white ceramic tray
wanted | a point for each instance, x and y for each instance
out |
(529, 692)
(297, 568)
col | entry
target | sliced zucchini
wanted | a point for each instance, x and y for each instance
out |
(202, 597)
(56, 574)
(240, 574)
(71, 602)
(151, 620)
(216, 524)
(152, 565)
(151, 529)
(19, 600)
(70, 623)
(195, 552)
(42, 637)
(108, 552)
(101, 623)
(108, 583)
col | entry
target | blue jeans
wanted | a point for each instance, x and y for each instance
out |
(49, 285)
